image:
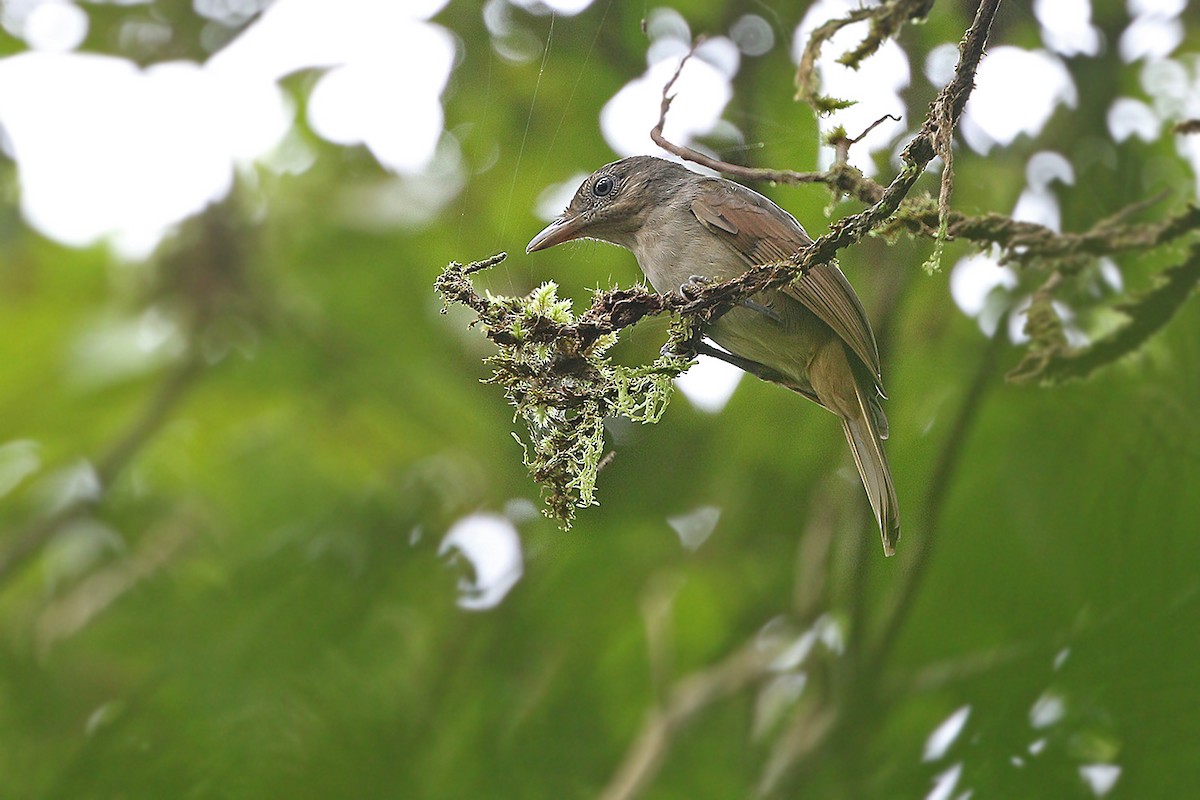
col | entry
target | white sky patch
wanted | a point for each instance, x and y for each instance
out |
(1155, 31)
(124, 150)
(875, 85)
(566, 8)
(372, 48)
(945, 783)
(940, 63)
(1016, 91)
(667, 24)
(1130, 117)
(975, 277)
(1046, 167)
(722, 53)
(694, 527)
(1040, 206)
(298, 34)
(555, 197)
(1169, 8)
(945, 734)
(1110, 273)
(1174, 90)
(753, 35)
(709, 384)
(491, 544)
(55, 26)
(1100, 778)
(701, 94)
(1189, 148)
(374, 102)
(107, 149)
(1047, 710)
(231, 13)
(1067, 26)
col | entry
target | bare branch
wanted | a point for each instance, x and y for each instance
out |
(696, 157)
(944, 114)
(872, 127)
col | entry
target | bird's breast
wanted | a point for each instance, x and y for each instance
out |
(671, 254)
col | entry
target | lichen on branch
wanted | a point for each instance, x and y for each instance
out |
(554, 367)
(1051, 361)
(886, 20)
(555, 371)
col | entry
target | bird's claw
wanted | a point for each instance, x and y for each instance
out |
(695, 285)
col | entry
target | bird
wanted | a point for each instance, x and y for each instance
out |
(811, 336)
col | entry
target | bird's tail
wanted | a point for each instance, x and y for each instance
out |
(865, 433)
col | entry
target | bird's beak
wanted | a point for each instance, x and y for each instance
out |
(563, 229)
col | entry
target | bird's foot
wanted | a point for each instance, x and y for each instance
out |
(695, 285)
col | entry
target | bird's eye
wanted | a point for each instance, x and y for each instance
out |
(603, 187)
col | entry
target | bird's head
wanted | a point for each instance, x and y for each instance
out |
(615, 202)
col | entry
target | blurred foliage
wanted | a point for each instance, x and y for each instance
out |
(221, 556)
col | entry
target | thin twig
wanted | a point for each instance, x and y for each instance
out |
(696, 157)
(806, 70)
(841, 178)
(944, 114)
(872, 127)
(1133, 209)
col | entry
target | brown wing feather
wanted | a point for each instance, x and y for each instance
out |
(762, 232)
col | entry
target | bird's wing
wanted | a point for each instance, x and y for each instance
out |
(761, 233)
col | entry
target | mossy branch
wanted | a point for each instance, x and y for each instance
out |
(554, 368)
(1051, 361)
(555, 371)
(886, 21)
(1028, 244)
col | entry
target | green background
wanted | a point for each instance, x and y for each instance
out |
(255, 605)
